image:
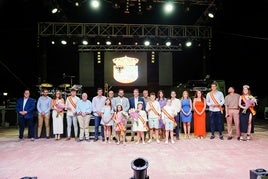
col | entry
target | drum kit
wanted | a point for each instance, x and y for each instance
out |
(65, 88)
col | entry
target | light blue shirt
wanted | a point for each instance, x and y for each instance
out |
(84, 106)
(218, 95)
(98, 102)
(44, 104)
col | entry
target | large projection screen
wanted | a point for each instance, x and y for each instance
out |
(119, 73)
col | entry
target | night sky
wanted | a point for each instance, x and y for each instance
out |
(238, 54)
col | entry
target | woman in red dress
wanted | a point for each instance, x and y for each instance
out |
(199, 106)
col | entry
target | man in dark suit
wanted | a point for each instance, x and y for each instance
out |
(133, 101)
(25, 107)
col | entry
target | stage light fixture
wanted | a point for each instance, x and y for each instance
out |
(52, 42)
(63, 42)
(146, 42)
(54, 10)
(76, 3)
(211, 15)
(139, 166)
(149, 5)
(85, 42)
(108, 41)
(168, 43)
(95, 4)
(98, 57)
(188, 43)
(168, 7)
(116, 6)
(152, 57)
(127, 7)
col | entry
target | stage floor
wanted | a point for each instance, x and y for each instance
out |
(187, 158)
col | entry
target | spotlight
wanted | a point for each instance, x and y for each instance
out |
(188, 43)
(168, 7)
(146, 42)
(54, 10)
(76, 4)
(95, 4)
(168, 43)
(84, 42)
(108, 41)
(211, 15)
(63, 42)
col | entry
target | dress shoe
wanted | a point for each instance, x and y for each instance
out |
(68, 138)
(212, 137)
(229, 138)
(221, 137)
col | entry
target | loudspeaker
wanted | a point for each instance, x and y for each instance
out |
(258, 173)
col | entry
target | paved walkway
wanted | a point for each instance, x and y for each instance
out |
(187, 158)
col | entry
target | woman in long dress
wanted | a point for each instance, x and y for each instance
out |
(199, 106)
(58, 106)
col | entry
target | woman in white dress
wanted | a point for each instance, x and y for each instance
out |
(57, 114)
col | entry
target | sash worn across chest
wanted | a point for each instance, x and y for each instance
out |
(153, 108)
(143, 122)
(169, 116)
(215, 101)
(72, 102)
(120, 126)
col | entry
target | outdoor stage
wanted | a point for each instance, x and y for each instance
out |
(187, 158)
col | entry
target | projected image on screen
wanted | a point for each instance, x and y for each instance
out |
(125, 69)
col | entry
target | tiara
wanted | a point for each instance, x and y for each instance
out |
(246, 86)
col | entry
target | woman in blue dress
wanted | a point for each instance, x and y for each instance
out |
(186, 113)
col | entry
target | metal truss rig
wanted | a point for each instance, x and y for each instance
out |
(139, 31)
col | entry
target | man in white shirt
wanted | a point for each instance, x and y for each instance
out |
(176, 104)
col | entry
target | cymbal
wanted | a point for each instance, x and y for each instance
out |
(64, 85)
(46, 85)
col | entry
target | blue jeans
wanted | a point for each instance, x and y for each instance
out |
(216, 119)
(97, 120)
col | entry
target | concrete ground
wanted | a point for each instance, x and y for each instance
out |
(186, 159)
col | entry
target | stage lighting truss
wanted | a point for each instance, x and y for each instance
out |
(125, 37)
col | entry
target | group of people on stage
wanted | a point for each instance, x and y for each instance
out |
(151, 114)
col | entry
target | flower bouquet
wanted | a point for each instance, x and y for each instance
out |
(134, 114)
(60, 109)
(250, 103)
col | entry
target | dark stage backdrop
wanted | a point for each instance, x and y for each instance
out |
(86, 66)
(165, 69)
